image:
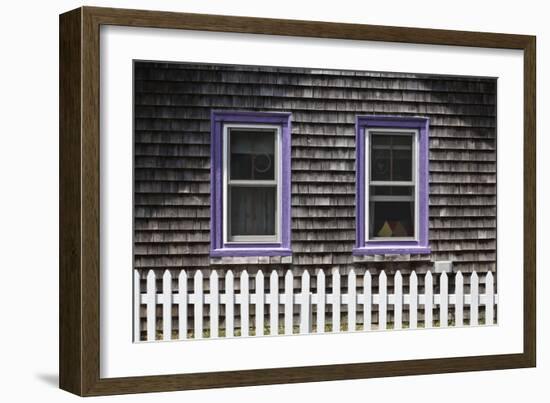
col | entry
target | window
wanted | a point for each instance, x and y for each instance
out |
(250, 195)
(392, 185)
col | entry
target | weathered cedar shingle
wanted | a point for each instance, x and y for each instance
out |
(172, 158)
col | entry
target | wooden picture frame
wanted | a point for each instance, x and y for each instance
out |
(79, 200)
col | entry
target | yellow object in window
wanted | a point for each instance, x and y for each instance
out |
(385, 231)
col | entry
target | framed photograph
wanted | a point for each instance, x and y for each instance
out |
(252, 201)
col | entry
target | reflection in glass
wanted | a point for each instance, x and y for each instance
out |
(252, 154)
(391, 157)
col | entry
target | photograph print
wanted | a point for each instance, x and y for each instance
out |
(271, 201)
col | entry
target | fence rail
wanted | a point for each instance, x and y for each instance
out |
(359, 294)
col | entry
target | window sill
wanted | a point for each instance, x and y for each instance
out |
(391, 250)
(250, 260)
(248, 251)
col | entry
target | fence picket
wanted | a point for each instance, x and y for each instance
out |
(182, 305)
(398, 301)
(352, 300)
(413, 300)
(474, 299)
(244, 303)
(335, 301)
(260, 301)
(167, 305)
(198, 300)
(137, 306)
(151, 305)
(459, 299)
(321, 301)
(214, 303)
(490, 299)
(274, 303)
(367, 301)
(229, 304)
(305, 306)
(444, 300)
(289, 301)
(382, 300)
(429, 300)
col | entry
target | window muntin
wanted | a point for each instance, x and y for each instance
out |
(391, 188)
(251, 183)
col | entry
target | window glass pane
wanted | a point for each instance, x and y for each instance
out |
(392, 191)
(391, 157)
(399, 141)
(252, 210)
(391, 219)
(380, 158)
(252, 154)
(402, 164)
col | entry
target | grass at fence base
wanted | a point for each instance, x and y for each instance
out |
(296, 329)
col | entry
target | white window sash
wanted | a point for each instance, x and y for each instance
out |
(227, 182)
(368, 183)
(254, 182)
(392, 183)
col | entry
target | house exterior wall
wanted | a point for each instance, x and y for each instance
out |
(173, 104)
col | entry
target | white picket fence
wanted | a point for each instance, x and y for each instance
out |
(240, 301)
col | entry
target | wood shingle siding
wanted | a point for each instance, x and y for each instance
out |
(173, 103)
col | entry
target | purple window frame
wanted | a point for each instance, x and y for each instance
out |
(419, 246)
(217, 246)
